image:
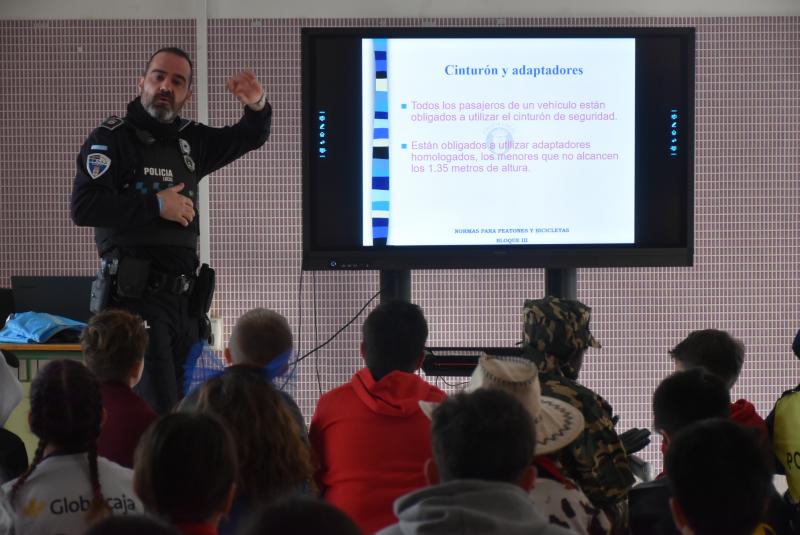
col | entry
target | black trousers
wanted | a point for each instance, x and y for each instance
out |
(172, 333)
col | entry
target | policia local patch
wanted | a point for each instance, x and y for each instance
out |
(97, 164)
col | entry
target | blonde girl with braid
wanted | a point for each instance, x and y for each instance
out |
(67, 487)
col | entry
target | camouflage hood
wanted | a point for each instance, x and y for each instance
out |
(553, 329)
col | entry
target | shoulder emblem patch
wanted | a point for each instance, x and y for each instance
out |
(112, 122)
(97, 164)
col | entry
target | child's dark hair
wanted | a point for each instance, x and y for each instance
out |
(184, 467)
(720, 475)
(132, 525)
(687, 397)
(486, 435)
(716, 351)
(272, 456)
(299, 515)
(394, 336)
(112, 343)
(66, 411)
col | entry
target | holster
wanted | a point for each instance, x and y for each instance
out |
(203, 292)
(103, 284)
(132, 277)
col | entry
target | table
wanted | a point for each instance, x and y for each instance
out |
(37, 352)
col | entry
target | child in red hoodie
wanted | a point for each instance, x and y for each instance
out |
(370, 437)
(722, 355)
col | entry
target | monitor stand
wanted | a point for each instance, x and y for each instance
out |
(561, 282)
(558, 282)
(395, 284)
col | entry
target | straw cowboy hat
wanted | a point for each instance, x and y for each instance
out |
(557, 423)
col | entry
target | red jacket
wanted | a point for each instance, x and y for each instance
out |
(127, 417)
(197, 528)
(371, 441)
(743, 412)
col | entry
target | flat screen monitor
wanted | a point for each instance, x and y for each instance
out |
(429, 148)
(66, 296)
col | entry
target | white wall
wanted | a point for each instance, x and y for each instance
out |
(166, 9)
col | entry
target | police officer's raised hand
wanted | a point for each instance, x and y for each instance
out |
(246, 87)
(176, 207)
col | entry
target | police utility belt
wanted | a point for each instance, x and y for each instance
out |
(131, 277)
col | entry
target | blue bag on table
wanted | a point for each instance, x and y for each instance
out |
(36, 327)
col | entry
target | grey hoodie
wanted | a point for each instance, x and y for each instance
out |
(467, 507)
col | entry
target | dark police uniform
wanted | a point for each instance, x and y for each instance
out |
(122, 165)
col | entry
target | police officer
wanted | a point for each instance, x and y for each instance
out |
(137, 185)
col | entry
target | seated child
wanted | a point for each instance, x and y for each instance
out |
(260, 345)
(721, 478)
(185, 471)
(67, 486)
(113, 344)
(370, 437)
(274, 460)
(132, 525)
(13, 455)
(301, 515)
(720, 354)
(679, 400)
(480, 473)
(557, 424)
(556, 337)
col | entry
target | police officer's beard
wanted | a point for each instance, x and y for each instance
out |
(161, 114)
(166, 111)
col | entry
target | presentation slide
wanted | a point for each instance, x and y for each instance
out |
(498, 141)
